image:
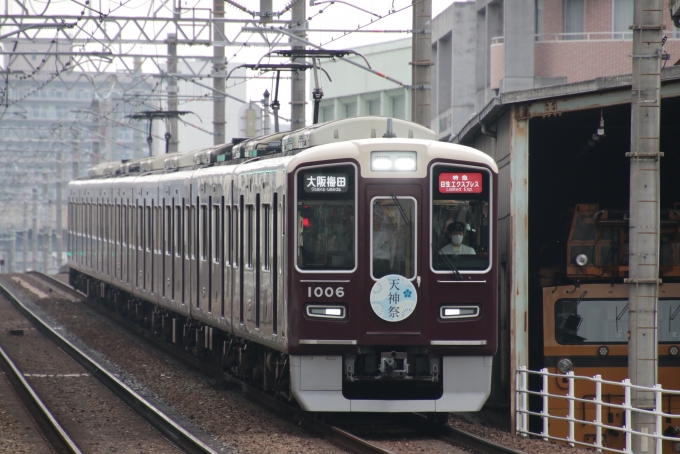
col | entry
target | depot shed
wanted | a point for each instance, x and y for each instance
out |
(552, 156)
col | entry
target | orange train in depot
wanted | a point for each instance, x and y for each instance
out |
(585, 319)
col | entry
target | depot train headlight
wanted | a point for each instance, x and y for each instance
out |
(565, 366)
(394, 161)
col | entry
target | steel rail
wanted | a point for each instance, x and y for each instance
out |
(47, 422)
(308, 420)
(455, 436)
(175, 433)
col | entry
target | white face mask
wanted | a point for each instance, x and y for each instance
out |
(457, 239)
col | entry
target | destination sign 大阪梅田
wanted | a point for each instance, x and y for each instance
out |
(315, 182)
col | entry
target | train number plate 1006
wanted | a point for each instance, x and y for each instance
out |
(470, 182)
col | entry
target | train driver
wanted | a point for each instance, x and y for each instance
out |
(384, 243)
(456, 231)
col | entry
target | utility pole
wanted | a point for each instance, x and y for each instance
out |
(96, 153)
(219, 74)
(298, 80)
(60, 227)
(172, 135)
(644, 231)
(265, 115)
(421, 70)
(34, 228)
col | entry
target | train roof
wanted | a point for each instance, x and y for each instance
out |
(352, 129)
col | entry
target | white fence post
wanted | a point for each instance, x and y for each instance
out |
(598, 412)
(518, 400)
(629, 423)
(525, 402)
(544, 391)
(570, 377)
(658, 409)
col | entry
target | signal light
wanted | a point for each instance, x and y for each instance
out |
(305, 223)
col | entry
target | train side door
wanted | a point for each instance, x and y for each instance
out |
(187, 250)
(393, 224)
(203, 258)
(216, 216)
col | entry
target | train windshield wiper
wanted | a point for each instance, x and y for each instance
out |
(448, 262)
(401, 209)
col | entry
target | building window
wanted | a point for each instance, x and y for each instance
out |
(374, 107)
(350, 110)
(574, 18)
(622, 18)
(327, 113)
(399, 107)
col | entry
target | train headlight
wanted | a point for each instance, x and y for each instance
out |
(394, 161)
(581, 260)
(673, 350)
(603, 351)
(326, 311)
(565, 366)
(449, 312)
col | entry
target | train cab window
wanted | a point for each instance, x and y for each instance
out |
(669, 321)
(591, 321)
(326, 219)
(461, 230)
(393, 224)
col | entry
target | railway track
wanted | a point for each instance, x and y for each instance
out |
(159, 430)
(339, 435)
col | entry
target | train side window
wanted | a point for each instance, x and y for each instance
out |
(249, 236)
(215, 236)
(460, 231)
(326, 218)
(266, 236)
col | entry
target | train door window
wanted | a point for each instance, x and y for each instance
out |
(185, 229)
(192, 226)
(158, 231)
(266, 237)
(249, 236)
(234, 244)
(204, 232)
(215, 235)
(149, 232)
(177, 225)
(227, 236)
(283, 233)
(393, 237)
(601, 321)
(167, 228)
(326, 219)
(460, 224)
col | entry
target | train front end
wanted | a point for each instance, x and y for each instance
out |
(393, 275)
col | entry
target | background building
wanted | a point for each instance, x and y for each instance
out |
(354, 92)
(514, 45)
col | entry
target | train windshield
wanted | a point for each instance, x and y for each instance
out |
(460, 219)
(606, 321)
(326, 219)
(393, 236)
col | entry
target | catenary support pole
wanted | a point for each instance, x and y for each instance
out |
(173, 139)
(47, 225)
(421, 70)
(298, 80)
(644, 231)
(219, 73)
(24, 242)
